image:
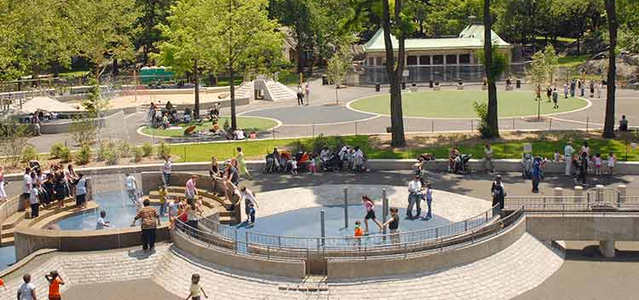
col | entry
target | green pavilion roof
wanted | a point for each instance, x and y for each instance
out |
(472, 37)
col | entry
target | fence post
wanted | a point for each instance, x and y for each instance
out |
(322, 224)
(513, 123)
(621, 194)
(550, 124)
(355, 127)
(587, 120)
(236, 244)
(432, 125)
(466, 225)
(345, 207)
(246, 241)
(384, 209)
(313, 130)
(599, 188)
(471, 125)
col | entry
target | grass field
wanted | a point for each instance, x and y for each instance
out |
(247, 123)
(572, 61)
(459, 104)
(511, 146)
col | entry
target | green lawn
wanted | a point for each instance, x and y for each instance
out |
(459, 104)
(544, 144)
(247, 123)
(572, 61)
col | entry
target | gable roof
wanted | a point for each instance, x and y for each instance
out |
(472, 37)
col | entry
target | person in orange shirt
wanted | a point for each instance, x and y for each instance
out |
(55, 280)
(2, 284)
(358, 233)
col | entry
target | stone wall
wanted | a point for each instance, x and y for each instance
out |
(592, 227)
(29, 240)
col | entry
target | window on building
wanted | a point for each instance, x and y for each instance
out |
(371, 61)
(411, 60)
(464, 58)
(424, 60)
(438, 59)
(451, 59)
(379, 61)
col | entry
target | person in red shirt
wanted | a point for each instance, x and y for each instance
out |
(55, 280)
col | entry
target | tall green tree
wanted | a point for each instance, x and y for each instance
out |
(338, 67)
(244, 38)
(189, 46)
(104, 30)
(153, 14)
(492, 120)
(609, 123)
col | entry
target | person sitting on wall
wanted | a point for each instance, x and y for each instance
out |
(623, 123)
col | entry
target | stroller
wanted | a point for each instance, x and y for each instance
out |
(526, 165)
(332, 164)
(461, 164)
(271, 166)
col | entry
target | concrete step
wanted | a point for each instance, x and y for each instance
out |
(7, 241)
(14, 219)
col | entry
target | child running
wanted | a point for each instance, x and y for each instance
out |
(196, 289)
(369, 207)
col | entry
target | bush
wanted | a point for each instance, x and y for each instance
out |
(83, 156)
(56, 150)
(164, 150)
(124, 149)
(226, 125)
(111, 156)
(28, 153)
(65, 154)
(138, 153)
(103, 148)
(147, 150)
(482, 112)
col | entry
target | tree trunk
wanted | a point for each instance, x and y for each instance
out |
(116, 68)
(394, 76)
(578, 45)
(233, 116)
(609, 125)
(491, 117)
(196, 77)
(300, 57)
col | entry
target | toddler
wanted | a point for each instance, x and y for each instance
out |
(597, 162)
(293, 166)
(612, 159)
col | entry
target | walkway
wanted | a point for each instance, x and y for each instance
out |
(324, 116)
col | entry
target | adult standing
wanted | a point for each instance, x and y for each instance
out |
(583, 167)
(536, 174)
(26, 189)
(300, 95)
(70, 176)
(414, 197)
(131, 188)
(60, 189)
(393, 225)
(568, 151)
(166, 170)
(585, 149)
(499, 193)
(55, 281)
(488, 159)
(242, 163)
(565, 91)
(231, 172)
(3, 193)
(150, 219)
(555, 98)
(592, 89)
(572, 88)
(34, 201)
(27, 290)
(250, 204)
(81, 191)
(429, 200)
(308, 92)
(190, 191)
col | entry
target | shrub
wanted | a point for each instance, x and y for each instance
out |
(103, 148)
(138, 153)
(164, 150)
(83, 156)
(226, 125)
(482, 112)
(56, 150)
(111, 156)
(28, 153)
(65, 154)
(124, 149)
(147, 150)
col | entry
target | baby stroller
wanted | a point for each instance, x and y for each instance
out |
(526, 166)
(332, 164)
(461, 164)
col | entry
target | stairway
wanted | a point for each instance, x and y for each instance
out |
(245, 90)
(275, 91)
(212, 203)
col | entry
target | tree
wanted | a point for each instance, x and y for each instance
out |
(538, 73)
(551, 60)
(243, 37)
(609, 123)
(103, 31)
(154, 13)
(188, 46)
(338, 67)
(492, 120)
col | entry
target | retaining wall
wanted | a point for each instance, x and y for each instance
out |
(29, 240)
(584, 227)
(294, 268)
(348, 268)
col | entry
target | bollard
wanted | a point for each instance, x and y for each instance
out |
(432, 125)
(513, 123)
(321, 224)
(384, 209)
(579, 193)
(599, 188)
(345, 207)
(558, 193)
(621, 194)
(550, 124)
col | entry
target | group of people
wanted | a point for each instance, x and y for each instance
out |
(580, 164)
(347, 158)
(303, 92)
(27, 290)
(163, 117)
(42, 188)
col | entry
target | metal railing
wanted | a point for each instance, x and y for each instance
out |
(241, 244)
(590, 201)
(244, 241)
